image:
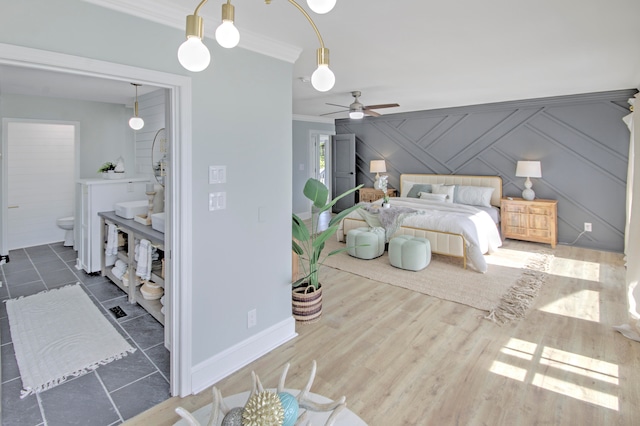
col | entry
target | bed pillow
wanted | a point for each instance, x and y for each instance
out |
(473, 195)
(417, 188)
(433, 197)
(448, 190)
(406, 187)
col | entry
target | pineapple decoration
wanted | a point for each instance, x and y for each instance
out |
(263, 409)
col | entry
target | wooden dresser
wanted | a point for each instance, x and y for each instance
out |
(535, 220)
(369, 195)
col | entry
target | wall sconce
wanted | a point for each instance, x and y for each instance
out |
(528, 169)
(194, 55)
(135, 122)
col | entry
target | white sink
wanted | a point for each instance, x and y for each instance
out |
(157, 221)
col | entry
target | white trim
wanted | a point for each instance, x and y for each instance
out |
(234, 358)
(313, 119)
(180, 186)
(174, 16)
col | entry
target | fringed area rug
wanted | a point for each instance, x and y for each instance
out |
(504, 292)
(59, 334)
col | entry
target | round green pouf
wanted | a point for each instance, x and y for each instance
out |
(233, 417)
(290, 407)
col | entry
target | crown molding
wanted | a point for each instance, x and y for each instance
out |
(174, 17)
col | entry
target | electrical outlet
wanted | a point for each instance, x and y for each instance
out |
(252, 318)
(587, 227)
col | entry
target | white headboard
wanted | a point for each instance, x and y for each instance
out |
(490, 181)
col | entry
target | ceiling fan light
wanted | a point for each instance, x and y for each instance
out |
(194, 55)
(356, 115)
(321, 6)
(227, 35)
(136, 123)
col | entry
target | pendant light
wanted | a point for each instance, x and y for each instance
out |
(321, 6)
(194, 56)
(135, 122)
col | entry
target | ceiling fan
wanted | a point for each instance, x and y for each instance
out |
(357, 110)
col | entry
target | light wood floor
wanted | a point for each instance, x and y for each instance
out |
(404, 358)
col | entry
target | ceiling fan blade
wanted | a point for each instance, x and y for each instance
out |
(381, 106)
(371, 113)
(334, 112)
(341, 106)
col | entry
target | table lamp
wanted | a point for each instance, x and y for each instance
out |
(528, 169)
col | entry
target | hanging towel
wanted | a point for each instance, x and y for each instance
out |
(143, 269)
(112, 240)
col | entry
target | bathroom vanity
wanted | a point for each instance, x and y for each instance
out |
(130, 232)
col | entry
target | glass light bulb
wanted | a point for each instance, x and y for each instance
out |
(323, 78)
(357, 115)
(321, 6)
(227, 35)
(136, 123)
(194, 55)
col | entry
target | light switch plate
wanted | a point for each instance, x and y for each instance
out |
(217, 201)
(217, 174)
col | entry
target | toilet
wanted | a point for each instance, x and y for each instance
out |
(66, 223)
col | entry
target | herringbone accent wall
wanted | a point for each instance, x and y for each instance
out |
(581, 142)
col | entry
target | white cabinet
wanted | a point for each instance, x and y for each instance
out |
(95, 196)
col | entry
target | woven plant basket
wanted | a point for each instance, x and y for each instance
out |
(307, 305)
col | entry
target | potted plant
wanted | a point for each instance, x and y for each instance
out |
(309, 244)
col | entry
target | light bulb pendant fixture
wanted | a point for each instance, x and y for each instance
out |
(227, 34)
(135, 122)
(194, 55)
(321, 6)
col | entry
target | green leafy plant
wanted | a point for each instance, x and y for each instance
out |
(309, 243)
(106, 167)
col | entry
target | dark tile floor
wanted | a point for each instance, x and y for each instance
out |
(112, 393)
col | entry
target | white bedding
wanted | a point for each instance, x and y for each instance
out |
(479, 230)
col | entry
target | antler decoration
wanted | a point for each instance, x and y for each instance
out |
(266, 408)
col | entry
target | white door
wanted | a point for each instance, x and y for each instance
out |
(40, 181)
(321, 157)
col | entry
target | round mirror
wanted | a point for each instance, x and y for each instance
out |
(159, 156)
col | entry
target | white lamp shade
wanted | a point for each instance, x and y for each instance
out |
(356, 115)
(377, 166)
(136, 123)
(323, 78)
(528, 169)
(321, 6)
(194, 55)
(227, 35)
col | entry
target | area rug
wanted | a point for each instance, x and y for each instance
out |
(505, 292)
(59, 334)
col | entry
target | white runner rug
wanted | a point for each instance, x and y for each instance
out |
(59, 334)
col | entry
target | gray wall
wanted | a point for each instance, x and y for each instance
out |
(580, 140)
(302, 129)
(252, 143)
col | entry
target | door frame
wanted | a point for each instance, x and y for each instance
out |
(313, 137)
(179, 197)
(4, 166)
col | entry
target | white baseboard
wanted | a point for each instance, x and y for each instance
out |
(216, 368)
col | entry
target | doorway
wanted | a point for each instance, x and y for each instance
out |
(320, 157)
(178, 186)
(41, 171)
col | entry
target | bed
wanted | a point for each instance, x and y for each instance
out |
(461, 230)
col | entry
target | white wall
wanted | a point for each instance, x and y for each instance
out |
(241, 255)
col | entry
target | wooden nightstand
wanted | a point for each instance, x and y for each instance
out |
(535, 220)
(369, 195)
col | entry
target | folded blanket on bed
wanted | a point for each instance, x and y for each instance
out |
(390, 218)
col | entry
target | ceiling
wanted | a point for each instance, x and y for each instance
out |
(419, 54)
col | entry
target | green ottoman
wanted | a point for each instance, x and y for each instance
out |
(366, 243)
(412, 253)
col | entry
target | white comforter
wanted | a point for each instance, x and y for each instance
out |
(477, 227)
